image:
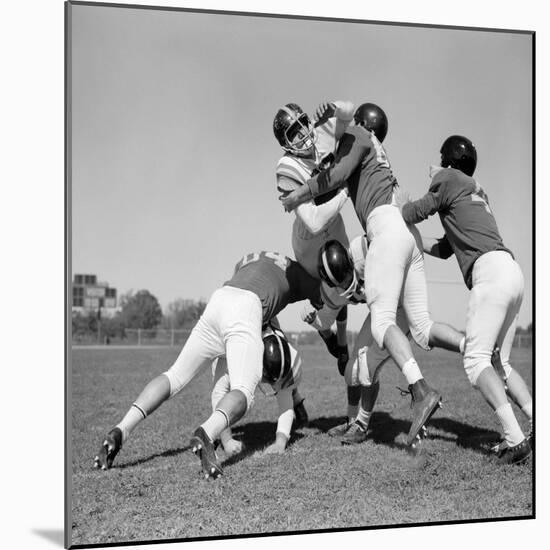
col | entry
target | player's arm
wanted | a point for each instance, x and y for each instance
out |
(284, 423)
(439, 248)
(351, 152)
(341, 110)
(315, 217)
(435, 200)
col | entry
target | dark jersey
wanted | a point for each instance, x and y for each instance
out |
(276, 279)
(362, 164)
(470, 227)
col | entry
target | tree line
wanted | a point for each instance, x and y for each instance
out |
(141, 310)
(138, 310)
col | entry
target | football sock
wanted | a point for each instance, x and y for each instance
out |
(512, 432)
(411, 371)
(215, 425)
(132, 418)
(363, 416)
(352, 412)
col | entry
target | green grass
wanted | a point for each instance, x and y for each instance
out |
(156, 491)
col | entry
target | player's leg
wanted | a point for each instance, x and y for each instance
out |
(487, 310)
(221, 388)
(199, 350)
(241, 327)
(516, 387)
(388, 258)
(425, 332)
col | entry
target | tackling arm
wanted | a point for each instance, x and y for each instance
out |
(351, 152)
(439, 248)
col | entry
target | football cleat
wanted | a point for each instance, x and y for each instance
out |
(109, 449)
(425, 401)
(203, 447)
(301, 418)
(517, 454)
(340, 429)
(356, 433)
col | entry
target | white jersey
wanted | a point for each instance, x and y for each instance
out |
(298, 170)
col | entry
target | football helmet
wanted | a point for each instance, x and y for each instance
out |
(373, 118)
(459, 152)
(277, 360)
(293, 130)
(336, 268)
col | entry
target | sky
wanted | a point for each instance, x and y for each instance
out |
(173, 155)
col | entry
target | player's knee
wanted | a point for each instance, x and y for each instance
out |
(474, 365)
(421, 335)
(176, 382)
(244, 395)
(234, 405)
(380, 328)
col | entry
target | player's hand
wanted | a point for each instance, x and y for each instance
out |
(308, 314)
(274, 448)
(343, 358)
(401, 197)
(325, 111)
(290, 201)
(232, 447)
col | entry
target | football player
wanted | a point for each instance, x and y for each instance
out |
(262, 285)
(282, 371)
(310, 146)
(490, 272)
(394, 264)
(342, 274)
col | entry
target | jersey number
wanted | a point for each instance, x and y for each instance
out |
(278, 259)
(479, 196)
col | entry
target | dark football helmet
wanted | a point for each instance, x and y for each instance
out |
(336, 268)
(459, 152)
(293, 130)
(373, 118)
(277, 360)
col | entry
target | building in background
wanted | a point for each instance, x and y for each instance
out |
(89, 296)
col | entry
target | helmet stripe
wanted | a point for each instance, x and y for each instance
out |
(329, 273)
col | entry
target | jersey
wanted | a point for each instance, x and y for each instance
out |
(299, 169)
(276, 280)
(361, 163)
(463, 207)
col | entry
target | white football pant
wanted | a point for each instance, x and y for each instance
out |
(493, 307)
(394, 270)
(367, 358)
(231, 325)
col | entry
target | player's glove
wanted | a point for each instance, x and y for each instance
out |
(343, 358)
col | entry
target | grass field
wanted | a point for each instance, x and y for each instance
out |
(155, 490)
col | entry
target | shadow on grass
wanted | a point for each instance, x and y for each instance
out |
(139, 461)
(385, 429)
(257, 436)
